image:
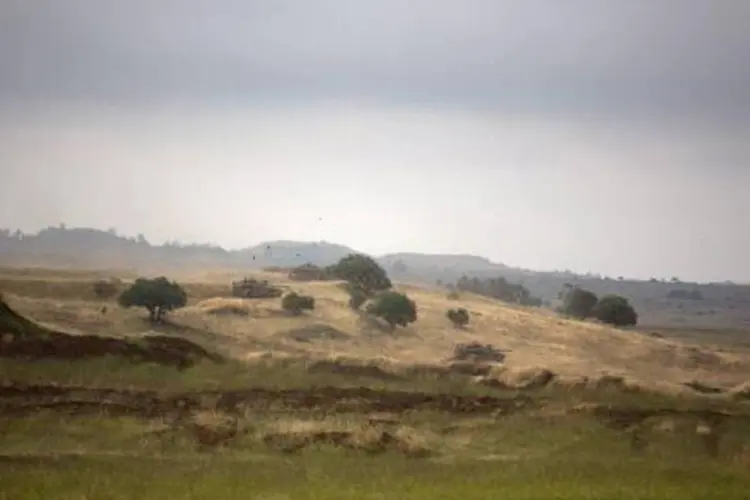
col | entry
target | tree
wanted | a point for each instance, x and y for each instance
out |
(615, 310)
(395, 308)
(577, 302)
(459, 317)
(362, 272)
(295, 303)
(158, 296)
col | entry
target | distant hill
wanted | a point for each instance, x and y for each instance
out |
(294, 253)
(716, 305)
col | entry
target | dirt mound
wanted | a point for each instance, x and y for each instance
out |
(370, 439)
(22, 338)
(352, 368)
(314, 332)
(529, 378)
(224, 307)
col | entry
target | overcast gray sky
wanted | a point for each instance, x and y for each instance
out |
(596, 135)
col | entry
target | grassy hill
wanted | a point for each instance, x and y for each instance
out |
(281, 405)
(721, 306)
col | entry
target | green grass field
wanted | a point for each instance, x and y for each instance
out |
(321, 475)
(540, 453)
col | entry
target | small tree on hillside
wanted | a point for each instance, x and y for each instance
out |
(577, 302)
(361, 272)
(395, 308)
(158, 296)
(615, 310)
(459, 317)
(295, 303)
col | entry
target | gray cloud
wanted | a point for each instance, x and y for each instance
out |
(638, 58)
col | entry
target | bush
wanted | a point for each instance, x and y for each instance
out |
(615, 310)
(395, 308)
(577, 302)
(157, 295)
(459, 317)
(106, 289)
(362, 272)
(295, 303)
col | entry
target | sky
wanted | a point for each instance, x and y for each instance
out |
(591, 135)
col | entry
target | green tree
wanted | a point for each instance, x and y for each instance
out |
(158, 296)
(459, 317)
(361, 272)
(577, 302)
(395, 308)
(295, 303)
(615, 310)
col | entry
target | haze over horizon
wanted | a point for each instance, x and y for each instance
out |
(600, 136)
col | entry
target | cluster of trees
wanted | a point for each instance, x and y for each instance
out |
(582, 304)
(367, 281)
(368, 284)
(499, 288)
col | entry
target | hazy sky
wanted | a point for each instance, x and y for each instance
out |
(597, 135)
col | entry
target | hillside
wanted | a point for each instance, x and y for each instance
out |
(535, 340)
(720, 306)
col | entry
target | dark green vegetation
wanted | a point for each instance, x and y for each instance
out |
(615, 310)
(582, 304)
(395, 308)
(157, 296)
(296, 304)
(459, 317)
(362, 274)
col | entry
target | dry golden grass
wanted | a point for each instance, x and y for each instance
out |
(536, 339)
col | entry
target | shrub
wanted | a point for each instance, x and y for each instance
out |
(459, 317)
(615, 310)
(105, 289)
(395, 308)
(295, 303)
(157, 295)
(362, 272)
(577, 302)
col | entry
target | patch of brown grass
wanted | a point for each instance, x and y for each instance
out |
(291, 434)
